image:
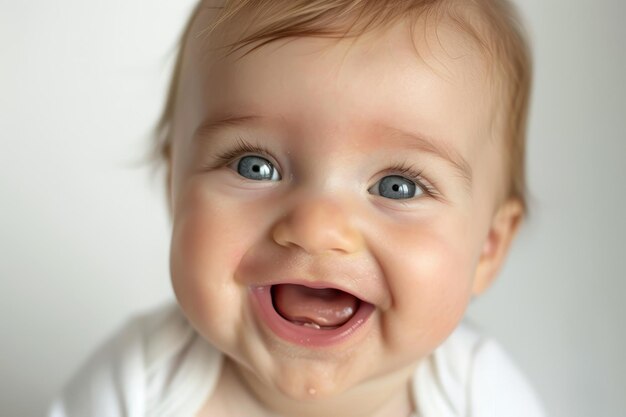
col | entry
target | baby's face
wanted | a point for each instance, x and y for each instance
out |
(355, 166)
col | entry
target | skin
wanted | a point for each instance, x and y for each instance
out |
(421, 260)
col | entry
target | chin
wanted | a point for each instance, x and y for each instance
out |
(309, 387)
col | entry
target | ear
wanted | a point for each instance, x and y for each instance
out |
(504, 227)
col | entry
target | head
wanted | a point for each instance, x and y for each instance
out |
(374, 146)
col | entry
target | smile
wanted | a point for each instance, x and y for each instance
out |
(307, 316)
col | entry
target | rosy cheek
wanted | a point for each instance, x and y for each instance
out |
(429, 277)
(208, 228)
(201, 250)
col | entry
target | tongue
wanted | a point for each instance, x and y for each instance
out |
(314, 307)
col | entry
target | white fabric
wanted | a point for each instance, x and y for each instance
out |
(158, 366)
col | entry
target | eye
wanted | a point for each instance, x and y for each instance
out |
(396, 187)
(257, 168)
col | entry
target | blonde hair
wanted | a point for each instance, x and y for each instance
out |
(497, 31)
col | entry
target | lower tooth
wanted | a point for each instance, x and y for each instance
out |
(312, 325)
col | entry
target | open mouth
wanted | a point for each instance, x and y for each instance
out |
(317, 308)
(310, 316)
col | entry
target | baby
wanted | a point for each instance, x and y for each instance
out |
(344, 176)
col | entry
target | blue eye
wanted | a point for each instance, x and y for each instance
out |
(395, 187)
(257, 168)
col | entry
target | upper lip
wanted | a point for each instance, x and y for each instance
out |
(358, 278)
(321, 285)
(366, 286)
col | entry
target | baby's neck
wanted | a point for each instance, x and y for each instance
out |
(240, 394)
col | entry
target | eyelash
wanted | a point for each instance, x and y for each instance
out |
(241, 148)
(406, 171)
(400, 169)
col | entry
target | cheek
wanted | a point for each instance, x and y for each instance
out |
(209, 239)
(429, 273)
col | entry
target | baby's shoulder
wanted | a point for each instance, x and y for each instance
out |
(471, 374)
(154, 364)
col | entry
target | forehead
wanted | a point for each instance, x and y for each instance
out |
(431, 81)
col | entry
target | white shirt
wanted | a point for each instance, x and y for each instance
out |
(158, 366)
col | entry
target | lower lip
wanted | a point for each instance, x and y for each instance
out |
(306, 336)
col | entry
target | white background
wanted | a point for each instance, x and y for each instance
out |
(84, 230)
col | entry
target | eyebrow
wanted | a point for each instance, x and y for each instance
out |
(230, 120)
(437, 148)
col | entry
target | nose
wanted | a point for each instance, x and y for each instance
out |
(318, 226)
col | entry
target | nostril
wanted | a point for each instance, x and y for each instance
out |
(280, 234)
(317, 226)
